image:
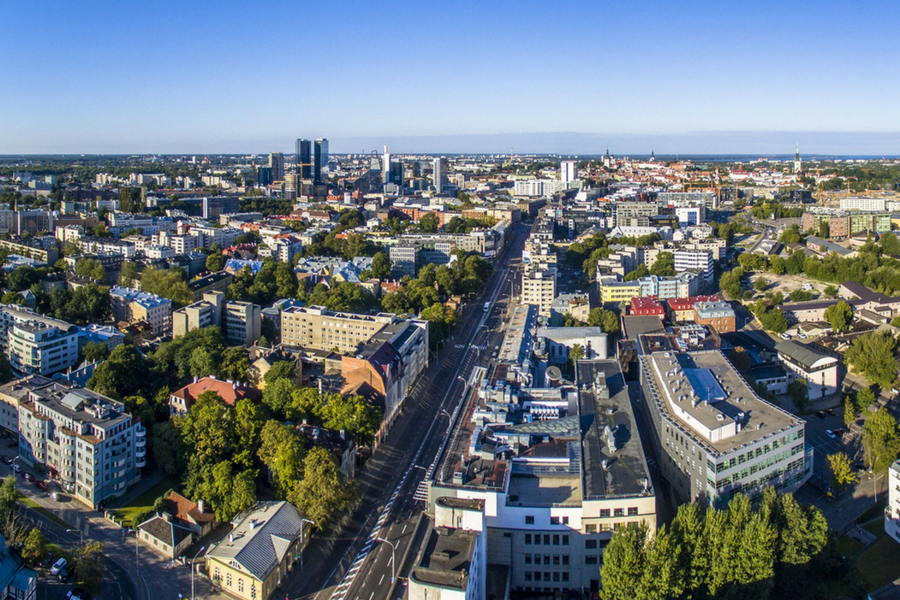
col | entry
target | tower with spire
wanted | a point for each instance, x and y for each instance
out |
(798, 164)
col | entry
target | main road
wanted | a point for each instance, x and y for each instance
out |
(349, 560)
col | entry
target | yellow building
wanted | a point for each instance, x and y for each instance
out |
(258, 553)
(620, 291)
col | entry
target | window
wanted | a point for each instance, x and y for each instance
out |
(228, 579)
(619, 512)
(565, 559)
(556, 577)
(546, 539)
(529, 519)
(554, 520)
(604, 512)
(632, 510)
(565, 576)
(546, 559)
(217, 575)
(565, 520)
(590, 528)
(527, 575)
(528, 538)
(527, 559)
(556, 539)
(565, 540)
(556, 559)
(590, 544)
(590, 559)
(241, 584)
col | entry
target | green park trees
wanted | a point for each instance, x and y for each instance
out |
(322, 492)
(839, 316)
(736, 552)
(872, 355)
(881, 440)
(606, 320)
(842, 473)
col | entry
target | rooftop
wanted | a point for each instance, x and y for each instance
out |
(447, 557)
(802, 355)
(707, 397)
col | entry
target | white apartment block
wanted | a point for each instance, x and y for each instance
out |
(180, 243)
(892, 511)
(864, 204)
(242, 323)
(820, 372)
(539, 289)
(281, 248)
(69, 233)
(94, 245)
(159, 252)
(88, 440)
(700, 261)
(133, 306)
(35, 344)
(207, 236)
(568, 171)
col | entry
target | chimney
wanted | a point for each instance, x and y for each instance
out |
(201, 506)
(230, 538)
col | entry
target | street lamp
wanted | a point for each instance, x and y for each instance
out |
(303, 538)
(79, 532)
(202, 548)
(393, 556)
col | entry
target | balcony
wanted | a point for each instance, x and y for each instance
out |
(140, 431)
(140, 442)
(140, 452)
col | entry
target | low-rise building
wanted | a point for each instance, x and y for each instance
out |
(133, 306)
(260, 551)
(718, 315)
(819, 371)
(17, 582)
(577, 305)
(182, 399)
(648, 306)
(555, 344)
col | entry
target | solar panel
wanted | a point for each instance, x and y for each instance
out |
(705, 385)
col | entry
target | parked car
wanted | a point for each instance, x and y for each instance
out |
(78, 594)
(840, 432)
(830, 434)
(821, 414)
(65, 574)
(830, 411)
(785, 336)
(41, 485)
(28, 477)
(58, 566)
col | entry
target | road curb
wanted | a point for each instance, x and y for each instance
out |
(405, 558)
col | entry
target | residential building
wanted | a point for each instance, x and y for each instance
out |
(892, 511)
(576, 305)
(677, 286)
(215, 282)
(242, 323)
(106, 246)
(554, 487)
(404, 260)
(205, 313)
(90, 442)
(17, 582)
(619, 291)
(30, 249)
(262, 548)
(647, 306)
(35, 344)
(682, 309)
(718, 315)
(133, 306)
(282, 248)
(863, 204)
(539, 289)
(698, 261)
(318, 328)
(164, 536)
(820, 372)
(182, 399)
(716, 437)
(10, 395)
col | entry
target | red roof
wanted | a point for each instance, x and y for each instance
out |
(688, 303)
(228, 391)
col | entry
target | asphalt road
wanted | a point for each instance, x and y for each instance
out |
(346, 560)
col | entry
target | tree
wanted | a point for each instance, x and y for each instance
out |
(864, 399)
(168, 283)
(664, 265)
(842, 473)
(13, 298)
(831, 291)
(849, 411)
(760, 284)
(248, 423)
(128, 275)
(235, 364)
(637, 273)
(282, 450)
(381, 266)
(799, 394)
(624, 562)
(90, 267)
(228, 492)
(429, 223)
(872, 355)
(881, 440)
(800, 296)
(839, 316)
(203, 363)
(87, 564)
(776, 265)
(35, 548)
(6, 373)
(169, 449)
(443, 319)
(323, 492)
(215, 262)
(353, 414)
(277, 395)
(890, 245)
(123, 374)
(774, 320)
(22, 278)
(576, 353)
(95, 352)
(284, 369)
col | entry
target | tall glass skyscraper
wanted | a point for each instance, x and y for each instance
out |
(303, 159)
(320, 158)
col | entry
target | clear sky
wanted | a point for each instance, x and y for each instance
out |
(223, 76)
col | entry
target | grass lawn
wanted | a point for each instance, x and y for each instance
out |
(875, 527)
(874, 511)
(879, 564)
(144, 502)
(848, 546)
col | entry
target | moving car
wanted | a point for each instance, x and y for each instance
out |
(58, 566)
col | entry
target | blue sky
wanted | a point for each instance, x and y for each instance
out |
(189, 76)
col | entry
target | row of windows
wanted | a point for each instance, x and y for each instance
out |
(556, 539)
(547, 559)
(546, 576)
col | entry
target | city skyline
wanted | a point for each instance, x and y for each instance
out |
(180, 78)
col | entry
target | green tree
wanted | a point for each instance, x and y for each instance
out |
(209, 429)
(215, 262)
(235, 364)
(95, 352)
(849, 411)
(229, 492)
(35, 548)
(248, 423)
(282, 450)
(831, 291)
(799, 394)
(839, 316)
(776, 265)
(865, 398)
(576, 353)
(443, 319)
(322, 493)
(890, 245)
(277, 395)
(381, 266)
(881, 440)
(760, 284)
(22, 278)
(284, 369)
(842, 473)
(872, 355)
(87, 564)
(664, 265)
(624, 562)
(429, 223)
(352, 414)
(90, 267)
(774, 320)
(169, 450)
(800, 296)
(640, 271)
(124, 373)
(6, 373)
(13, 298)
(128, 275)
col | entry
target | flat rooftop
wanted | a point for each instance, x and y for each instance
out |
(447, 558)
(702, 392)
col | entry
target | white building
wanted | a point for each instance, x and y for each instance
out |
(892, 511)
(95, 245)
(36, 344)
(242, 323)
(864, 204)
(819, 371)
(133, 306)
(568, 171)
(88, 440)
(556, 343)
(700, 261)
(539, 289)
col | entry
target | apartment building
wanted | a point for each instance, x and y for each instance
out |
(106, 246)
(133, 306)
(181, 243)
(555, 344)
(612, 291)
(87, 440)
(215, 282)
(553, 491)
(29, 249)
(404, 260)
(715, 436)
(698, 261)
(318, 328)
(892, 511)
(204, 313)
(675, 286)
(35, 344)
(718, 315)
(282, 248)
(539, 289)
(242, 322)
(10, 395)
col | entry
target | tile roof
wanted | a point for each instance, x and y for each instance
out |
(165, 531)
(229, 392)
(181, 508)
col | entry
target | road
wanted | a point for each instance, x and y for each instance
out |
(764, 237)
(346, 560)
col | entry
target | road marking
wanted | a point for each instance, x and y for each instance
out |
(404, 529)
(372, 594)
(382, 579)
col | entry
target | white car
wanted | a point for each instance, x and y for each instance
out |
(58, 566)
(830, 434)
(17, 468)
(785, 336)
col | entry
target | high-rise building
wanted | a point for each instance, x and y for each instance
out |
(276, 163)
(440, 174)
(303, 159)
(320, 158)
(568, 171)
(798, 164)
(386, 166)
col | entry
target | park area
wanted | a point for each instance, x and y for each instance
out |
(142, 504)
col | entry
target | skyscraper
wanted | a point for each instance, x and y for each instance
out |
(386, 166)
(303, 159)
(440, 174)
(568, 171)
(320, 159)
(276, 163)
